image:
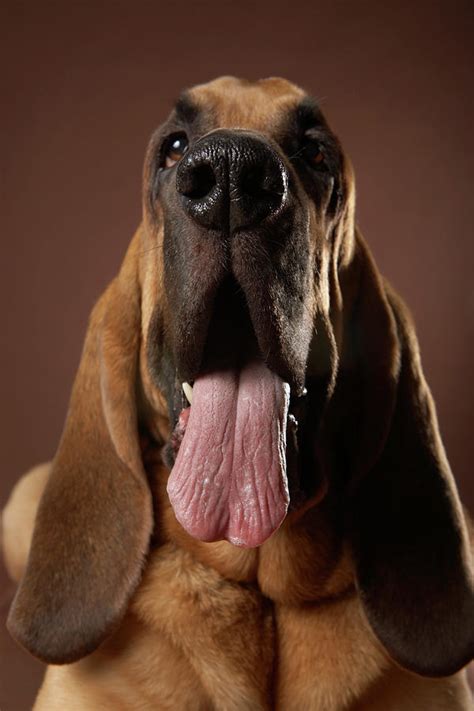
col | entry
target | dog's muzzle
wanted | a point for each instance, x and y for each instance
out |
(237, 244)
(232, 180)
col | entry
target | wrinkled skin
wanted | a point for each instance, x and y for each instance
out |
(274, 263)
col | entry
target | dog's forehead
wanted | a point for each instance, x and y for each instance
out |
(238, 103)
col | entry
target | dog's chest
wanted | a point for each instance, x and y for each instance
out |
(197, 642)
(236, 649)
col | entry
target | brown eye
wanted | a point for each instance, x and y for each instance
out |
(314, 155)
(175, 150)
(317, 158)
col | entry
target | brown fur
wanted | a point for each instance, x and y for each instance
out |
(184, 624)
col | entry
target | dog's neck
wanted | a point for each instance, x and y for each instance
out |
(304, 561)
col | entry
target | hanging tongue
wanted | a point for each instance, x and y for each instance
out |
(229, 479)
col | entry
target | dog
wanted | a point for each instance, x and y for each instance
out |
(291, 538)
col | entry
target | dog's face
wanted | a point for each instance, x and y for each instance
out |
(248, 280)
(244, 183)
(244, 186)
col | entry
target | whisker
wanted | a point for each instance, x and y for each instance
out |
(295, 155)
(150, 249)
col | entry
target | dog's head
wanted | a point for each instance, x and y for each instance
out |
(246, 189)
(248, 282)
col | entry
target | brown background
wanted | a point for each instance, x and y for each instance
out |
(84, 84)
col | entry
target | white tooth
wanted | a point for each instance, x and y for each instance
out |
(188, 391)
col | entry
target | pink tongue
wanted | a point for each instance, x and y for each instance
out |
(229, 479)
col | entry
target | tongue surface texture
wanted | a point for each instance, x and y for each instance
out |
(229, 479)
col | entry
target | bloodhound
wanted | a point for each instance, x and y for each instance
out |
(293, 539)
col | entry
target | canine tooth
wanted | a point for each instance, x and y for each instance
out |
(188, 391)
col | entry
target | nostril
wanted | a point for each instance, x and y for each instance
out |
(199, 182)
(252, 181)
(258, 182)
(257, 188)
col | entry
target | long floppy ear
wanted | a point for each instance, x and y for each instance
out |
(413, 563)
(95, 516)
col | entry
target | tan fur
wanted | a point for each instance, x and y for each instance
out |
(213, 626)
(18, 518)
(240, 103)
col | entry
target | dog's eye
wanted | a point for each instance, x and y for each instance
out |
(314, 155)
(175, 149)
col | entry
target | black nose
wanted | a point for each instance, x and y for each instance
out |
(231, 180)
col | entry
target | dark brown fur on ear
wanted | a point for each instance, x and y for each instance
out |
(94, 520)
(414, 566)
(380, 441)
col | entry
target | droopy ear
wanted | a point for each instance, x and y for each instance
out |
(95, 516)
(413, 564)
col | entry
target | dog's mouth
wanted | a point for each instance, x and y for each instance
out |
(235, 444)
